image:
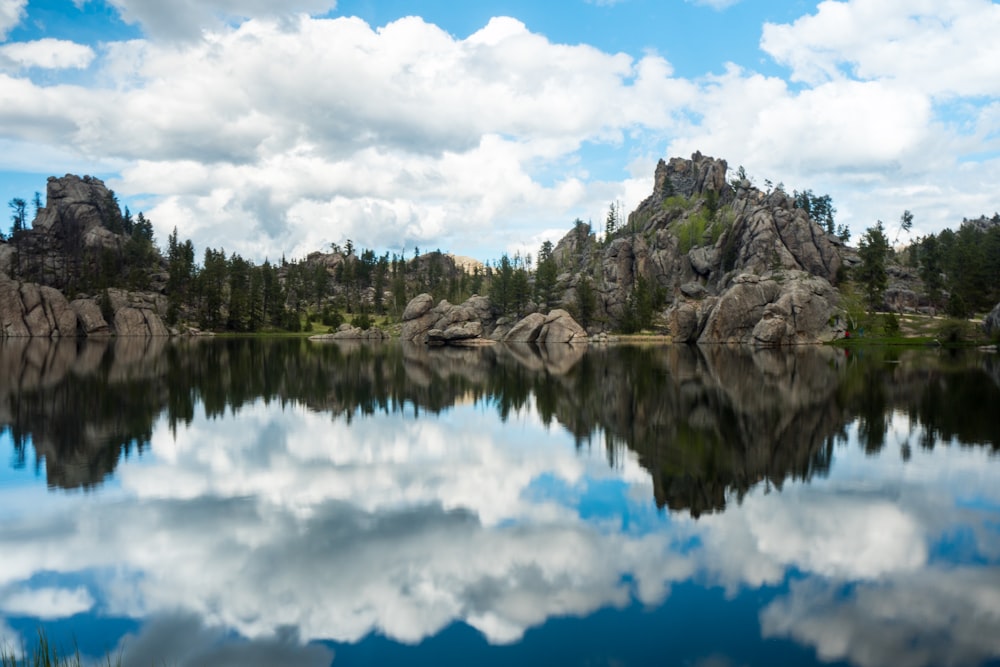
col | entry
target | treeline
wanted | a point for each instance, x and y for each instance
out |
(231, 293)
(961, 269)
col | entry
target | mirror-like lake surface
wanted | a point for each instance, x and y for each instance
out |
(248, 502)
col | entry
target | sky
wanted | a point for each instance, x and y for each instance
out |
(275, 128)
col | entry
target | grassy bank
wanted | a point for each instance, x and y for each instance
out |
(913, 329)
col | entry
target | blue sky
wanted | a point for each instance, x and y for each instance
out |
(279, 127)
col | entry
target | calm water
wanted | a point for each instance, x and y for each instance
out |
(291, 503)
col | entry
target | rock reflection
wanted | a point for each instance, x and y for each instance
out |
(707, 423)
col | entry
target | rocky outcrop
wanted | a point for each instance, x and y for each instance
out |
(474, 323)
(692, 242)
(90, 319)
(30, 310)
(556, 327)
(460, 333)
(421, 317)
(526, 330)
(766, 311)
(84, 200)
(350, 332)
(80, 233)
(560, 327)
(991, 323)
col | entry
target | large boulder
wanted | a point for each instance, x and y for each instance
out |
(351, 332)
(460, 334)
(29, 310)
(90, 319)
(421, 317)
(682, 322)
(526, 330)
(138, 322)
(560, 327)
(791, 308)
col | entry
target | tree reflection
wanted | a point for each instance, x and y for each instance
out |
(709, 424)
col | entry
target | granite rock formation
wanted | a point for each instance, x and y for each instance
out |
(30, 310)
(474, 322)
(697, 238)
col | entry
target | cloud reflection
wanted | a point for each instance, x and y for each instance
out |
(284, 525)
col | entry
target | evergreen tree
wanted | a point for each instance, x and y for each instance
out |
(502, 285)
(212, 281)
(611, 223)
(929, 258)
(873, 250)
(586, 302)
(240, 313)
(181, 269)
(545, 276)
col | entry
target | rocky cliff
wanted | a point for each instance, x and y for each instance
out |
(30, 310)
(79, 240)
(727, 261)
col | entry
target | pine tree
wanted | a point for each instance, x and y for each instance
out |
(873, 249)
(545, 276)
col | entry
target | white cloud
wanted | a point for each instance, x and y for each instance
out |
(48, 54)
(305, 130)
(46, 603)
(937, 48)
(11, 13)
(11, 642)
(186, 19)
(412, 137)
(894, 622)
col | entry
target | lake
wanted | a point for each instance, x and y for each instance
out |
(284, 502)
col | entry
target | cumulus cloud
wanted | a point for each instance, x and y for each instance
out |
(324, 129)
(299, 131)
(184, 640)
(46, 603)
(47, 54)
(894, 622)
(412, 137)
(938, 48)
(11, 13)
(11, 642)
(186, 19)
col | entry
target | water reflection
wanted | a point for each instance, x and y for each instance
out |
(707, 423)
(290, 492)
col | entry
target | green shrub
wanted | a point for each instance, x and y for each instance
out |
(362, 320)
(676, 203)
(953, 332)
(890, 324)
(331, 317)
(691, 232)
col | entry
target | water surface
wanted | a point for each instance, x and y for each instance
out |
(241, 502)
